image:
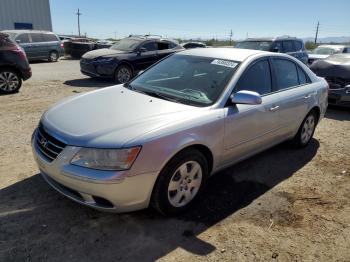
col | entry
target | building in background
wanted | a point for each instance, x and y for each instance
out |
(25, 14)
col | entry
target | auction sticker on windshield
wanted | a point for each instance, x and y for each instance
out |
(226, 63)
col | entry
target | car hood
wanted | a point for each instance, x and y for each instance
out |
(334, 66)
(317, 56)
(110, 117)
(102, 52)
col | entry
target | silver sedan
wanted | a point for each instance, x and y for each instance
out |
(156, 140)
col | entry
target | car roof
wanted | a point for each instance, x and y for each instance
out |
(272, 38)
(234, 54)
(27, 31)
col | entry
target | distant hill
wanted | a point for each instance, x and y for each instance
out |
(339, 39)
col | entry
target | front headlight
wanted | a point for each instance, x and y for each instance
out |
(106, 159)
(104, 59)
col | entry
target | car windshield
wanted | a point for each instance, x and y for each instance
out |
(126, 44)
(326, 50)
(255, 45)
(193, 80)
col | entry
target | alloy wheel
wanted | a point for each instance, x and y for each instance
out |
(184, 184)
(123, 75)
(308, 129)
(8, 81)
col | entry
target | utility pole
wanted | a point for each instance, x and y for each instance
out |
(318, 25)
(79, 14)
(231, 34)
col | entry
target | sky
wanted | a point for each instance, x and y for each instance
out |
(202, 19)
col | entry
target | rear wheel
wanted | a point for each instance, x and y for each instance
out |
(53, 56)
(180, 182)
(306, 130)
(10, 81)
(122, 74)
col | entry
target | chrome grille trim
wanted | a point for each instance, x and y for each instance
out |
(47, 145)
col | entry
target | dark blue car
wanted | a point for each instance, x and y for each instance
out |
(124, 60)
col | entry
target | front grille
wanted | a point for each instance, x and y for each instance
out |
(47, 145)
(337, 82)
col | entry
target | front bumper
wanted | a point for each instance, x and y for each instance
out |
(113, 191)
(339, 97)
(95, 69)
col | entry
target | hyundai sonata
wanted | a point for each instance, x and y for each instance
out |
(156, 139)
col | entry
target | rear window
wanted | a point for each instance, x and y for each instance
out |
(298, 45)
(49, 37)
(288, 46)
(256, 45)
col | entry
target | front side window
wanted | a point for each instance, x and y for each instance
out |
(257, 78)
(23, 38)
(255, 45)
(286, 73)
(187, 79)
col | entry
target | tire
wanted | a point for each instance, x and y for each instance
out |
(10, 81)
(186, 186)
(123, 74)
(53, 56)
(306, 130)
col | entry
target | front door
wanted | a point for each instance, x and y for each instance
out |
(252, 128)
(146, 56)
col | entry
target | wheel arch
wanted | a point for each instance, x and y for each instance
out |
(125, 62)
(14, 68)
(317, 110)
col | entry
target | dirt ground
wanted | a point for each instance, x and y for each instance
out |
(281, 205)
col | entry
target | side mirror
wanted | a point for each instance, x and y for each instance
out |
(246, 97)
(140, 72)
(142, 50)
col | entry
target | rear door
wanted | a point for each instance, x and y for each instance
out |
(292, 84)
(38, 46)
(146, 55)
(164, 48)
(252, 128)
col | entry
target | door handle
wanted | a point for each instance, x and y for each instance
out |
(274, 108)
(307, 96)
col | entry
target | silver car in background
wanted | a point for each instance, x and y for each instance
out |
(156, 140)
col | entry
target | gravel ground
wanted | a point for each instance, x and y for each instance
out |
(281, 205)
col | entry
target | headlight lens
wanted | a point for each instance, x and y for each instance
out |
(104, 59)
(106, 159)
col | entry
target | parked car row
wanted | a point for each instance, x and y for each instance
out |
(324, 51)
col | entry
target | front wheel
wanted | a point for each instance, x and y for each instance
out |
(306, 130)
(180, 182)
(122, 74)
(10, 81)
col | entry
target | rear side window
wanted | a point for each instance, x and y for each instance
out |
(150, 46)
(303, 78)
(288, 46)
(36, 37)
(163, 45)
(49, 37)
(23, 38)
(298, 45)
(257, 78)
(286, 73)
(346, 50)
